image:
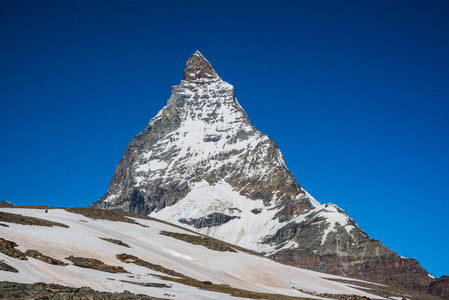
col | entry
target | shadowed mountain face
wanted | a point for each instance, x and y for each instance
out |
(201, 163)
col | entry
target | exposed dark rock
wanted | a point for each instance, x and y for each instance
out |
(24, 220)
(102, 214)
(440, 287)
(214, 219)
(114, 241)
(92, 263)
(148, 284)
(5, 267)
(49, 260)
(4, 203)
(7, 247)
(212, 138)
(126, 258)
(207, 242)
(40, 290)
(197, 67)
(256, 211)
(291, 209)
(384, 269)
(388, 291)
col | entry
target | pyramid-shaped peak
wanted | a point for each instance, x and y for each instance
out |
(197, 67)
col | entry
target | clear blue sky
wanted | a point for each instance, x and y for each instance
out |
(355, 93)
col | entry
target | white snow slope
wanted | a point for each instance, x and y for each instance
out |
(82, 238)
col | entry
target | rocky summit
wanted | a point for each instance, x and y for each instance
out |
(200, 163)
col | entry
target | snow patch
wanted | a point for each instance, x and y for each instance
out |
(152, 165)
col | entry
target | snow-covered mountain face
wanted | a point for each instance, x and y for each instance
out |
(201, 164)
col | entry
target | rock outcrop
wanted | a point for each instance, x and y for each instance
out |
(41, 290)
(440, 287)
(4, 203)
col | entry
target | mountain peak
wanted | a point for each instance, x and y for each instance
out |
(197, 67)
(200, 163)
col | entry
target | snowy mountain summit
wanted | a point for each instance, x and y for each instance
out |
(200, 161)
(201, 164)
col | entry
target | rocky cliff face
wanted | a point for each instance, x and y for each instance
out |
(4, 203)
(440, 287)
(201, 163)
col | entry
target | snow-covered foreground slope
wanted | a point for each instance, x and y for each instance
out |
(82, 239)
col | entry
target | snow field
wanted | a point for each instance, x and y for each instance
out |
(239, 270)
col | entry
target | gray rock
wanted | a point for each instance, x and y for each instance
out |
(440, 287)
(214, 219)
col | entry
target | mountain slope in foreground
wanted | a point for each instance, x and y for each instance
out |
(85, 247)
(200, 163)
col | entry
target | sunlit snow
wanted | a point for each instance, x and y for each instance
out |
(239, 270)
